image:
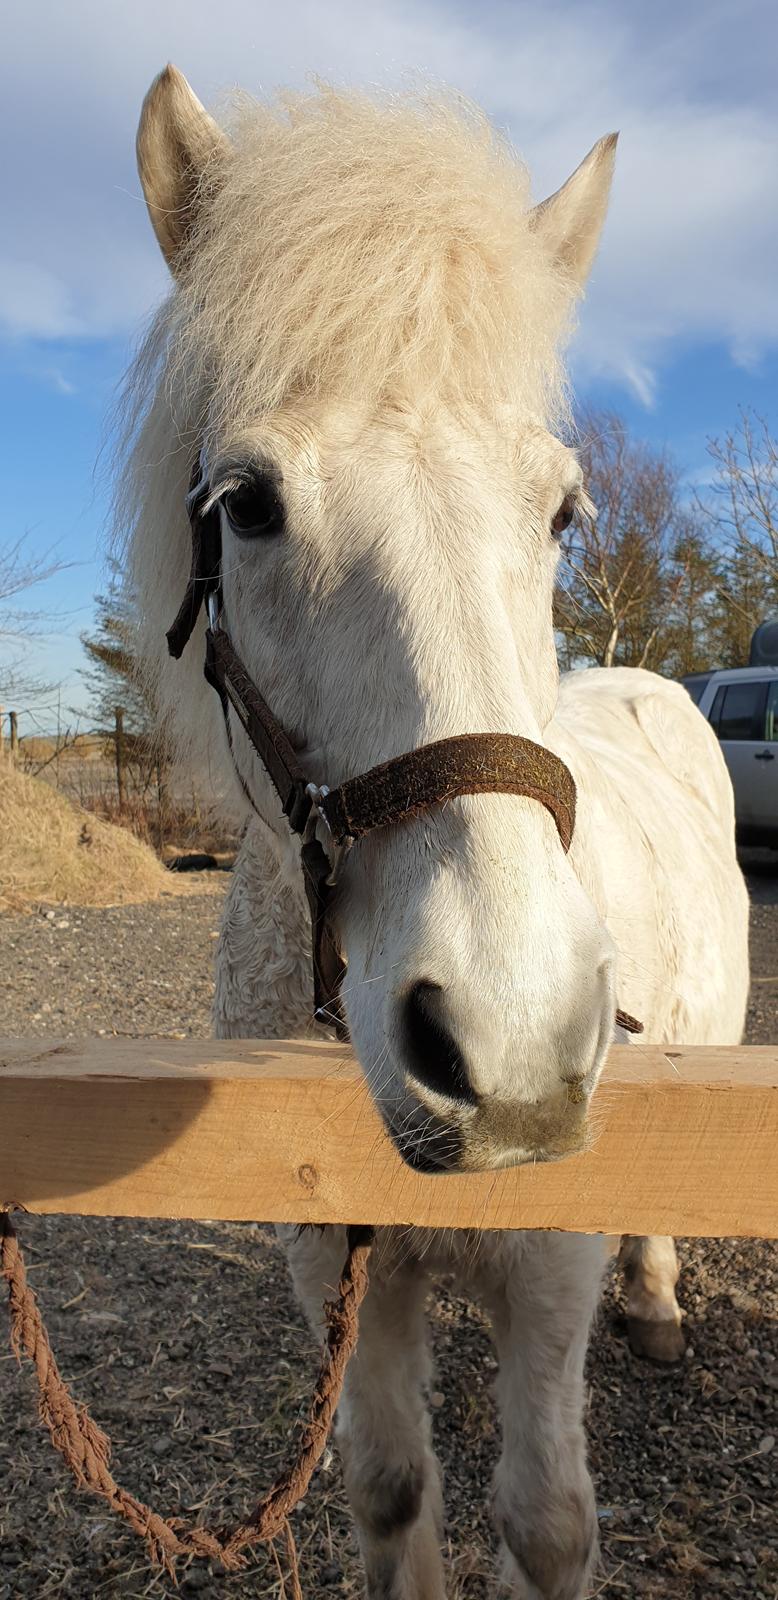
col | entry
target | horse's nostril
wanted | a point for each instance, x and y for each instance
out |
(432, 1052)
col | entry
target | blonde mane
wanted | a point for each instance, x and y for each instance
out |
(354, 243)
(350, 245)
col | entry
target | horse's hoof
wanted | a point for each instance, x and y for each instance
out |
(662, 1342)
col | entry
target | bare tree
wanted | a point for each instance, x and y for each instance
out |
(742, 511)
(20, 572)
(744, 502)
(625, 569)
(687, 641)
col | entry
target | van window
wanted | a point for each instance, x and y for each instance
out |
(771, 713)
(737, 712)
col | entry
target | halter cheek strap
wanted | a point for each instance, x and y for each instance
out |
(205, 569)
(385, 796)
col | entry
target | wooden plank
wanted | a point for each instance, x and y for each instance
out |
(687, 1141)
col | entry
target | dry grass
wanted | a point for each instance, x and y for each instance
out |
(52, 851)
(174, 818)
(172, 829)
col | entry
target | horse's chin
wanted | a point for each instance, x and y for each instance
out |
(436, 1145)
(482, 1154)
(495, 1160)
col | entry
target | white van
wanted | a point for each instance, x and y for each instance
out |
(741, 705)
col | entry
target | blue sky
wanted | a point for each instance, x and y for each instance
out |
(681, 322)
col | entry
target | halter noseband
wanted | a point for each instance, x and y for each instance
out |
(468, 763)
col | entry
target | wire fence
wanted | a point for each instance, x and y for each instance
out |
(119, 777)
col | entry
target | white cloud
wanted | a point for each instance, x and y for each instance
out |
(58, 382)
(692, 240)
(640, 379)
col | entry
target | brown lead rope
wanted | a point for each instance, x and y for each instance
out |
(86, 1450)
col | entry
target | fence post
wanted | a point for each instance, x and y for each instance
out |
(1, 733)
(12, 718)
(119, 746)
(161, 805)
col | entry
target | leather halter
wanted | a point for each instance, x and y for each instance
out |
(468, 763)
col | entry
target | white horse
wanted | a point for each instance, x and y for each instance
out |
(364, 337)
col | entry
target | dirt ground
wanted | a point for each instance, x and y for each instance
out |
(186, 1341)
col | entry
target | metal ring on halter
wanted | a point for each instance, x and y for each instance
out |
(338, 850)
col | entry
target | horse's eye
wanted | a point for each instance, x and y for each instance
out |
(254, 508)
(561, 522)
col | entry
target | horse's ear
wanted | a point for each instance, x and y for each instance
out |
(570, 221)
(177, 144)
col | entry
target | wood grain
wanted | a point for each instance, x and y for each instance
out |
(686, 1141)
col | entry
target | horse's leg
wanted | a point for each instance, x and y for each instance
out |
(264, 989)
(542, 1296)
(383, 1430)
(650, 1268)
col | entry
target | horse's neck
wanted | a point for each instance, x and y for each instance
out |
(264, 987)
(589, 855)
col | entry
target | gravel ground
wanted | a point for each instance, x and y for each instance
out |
(186, 1341)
